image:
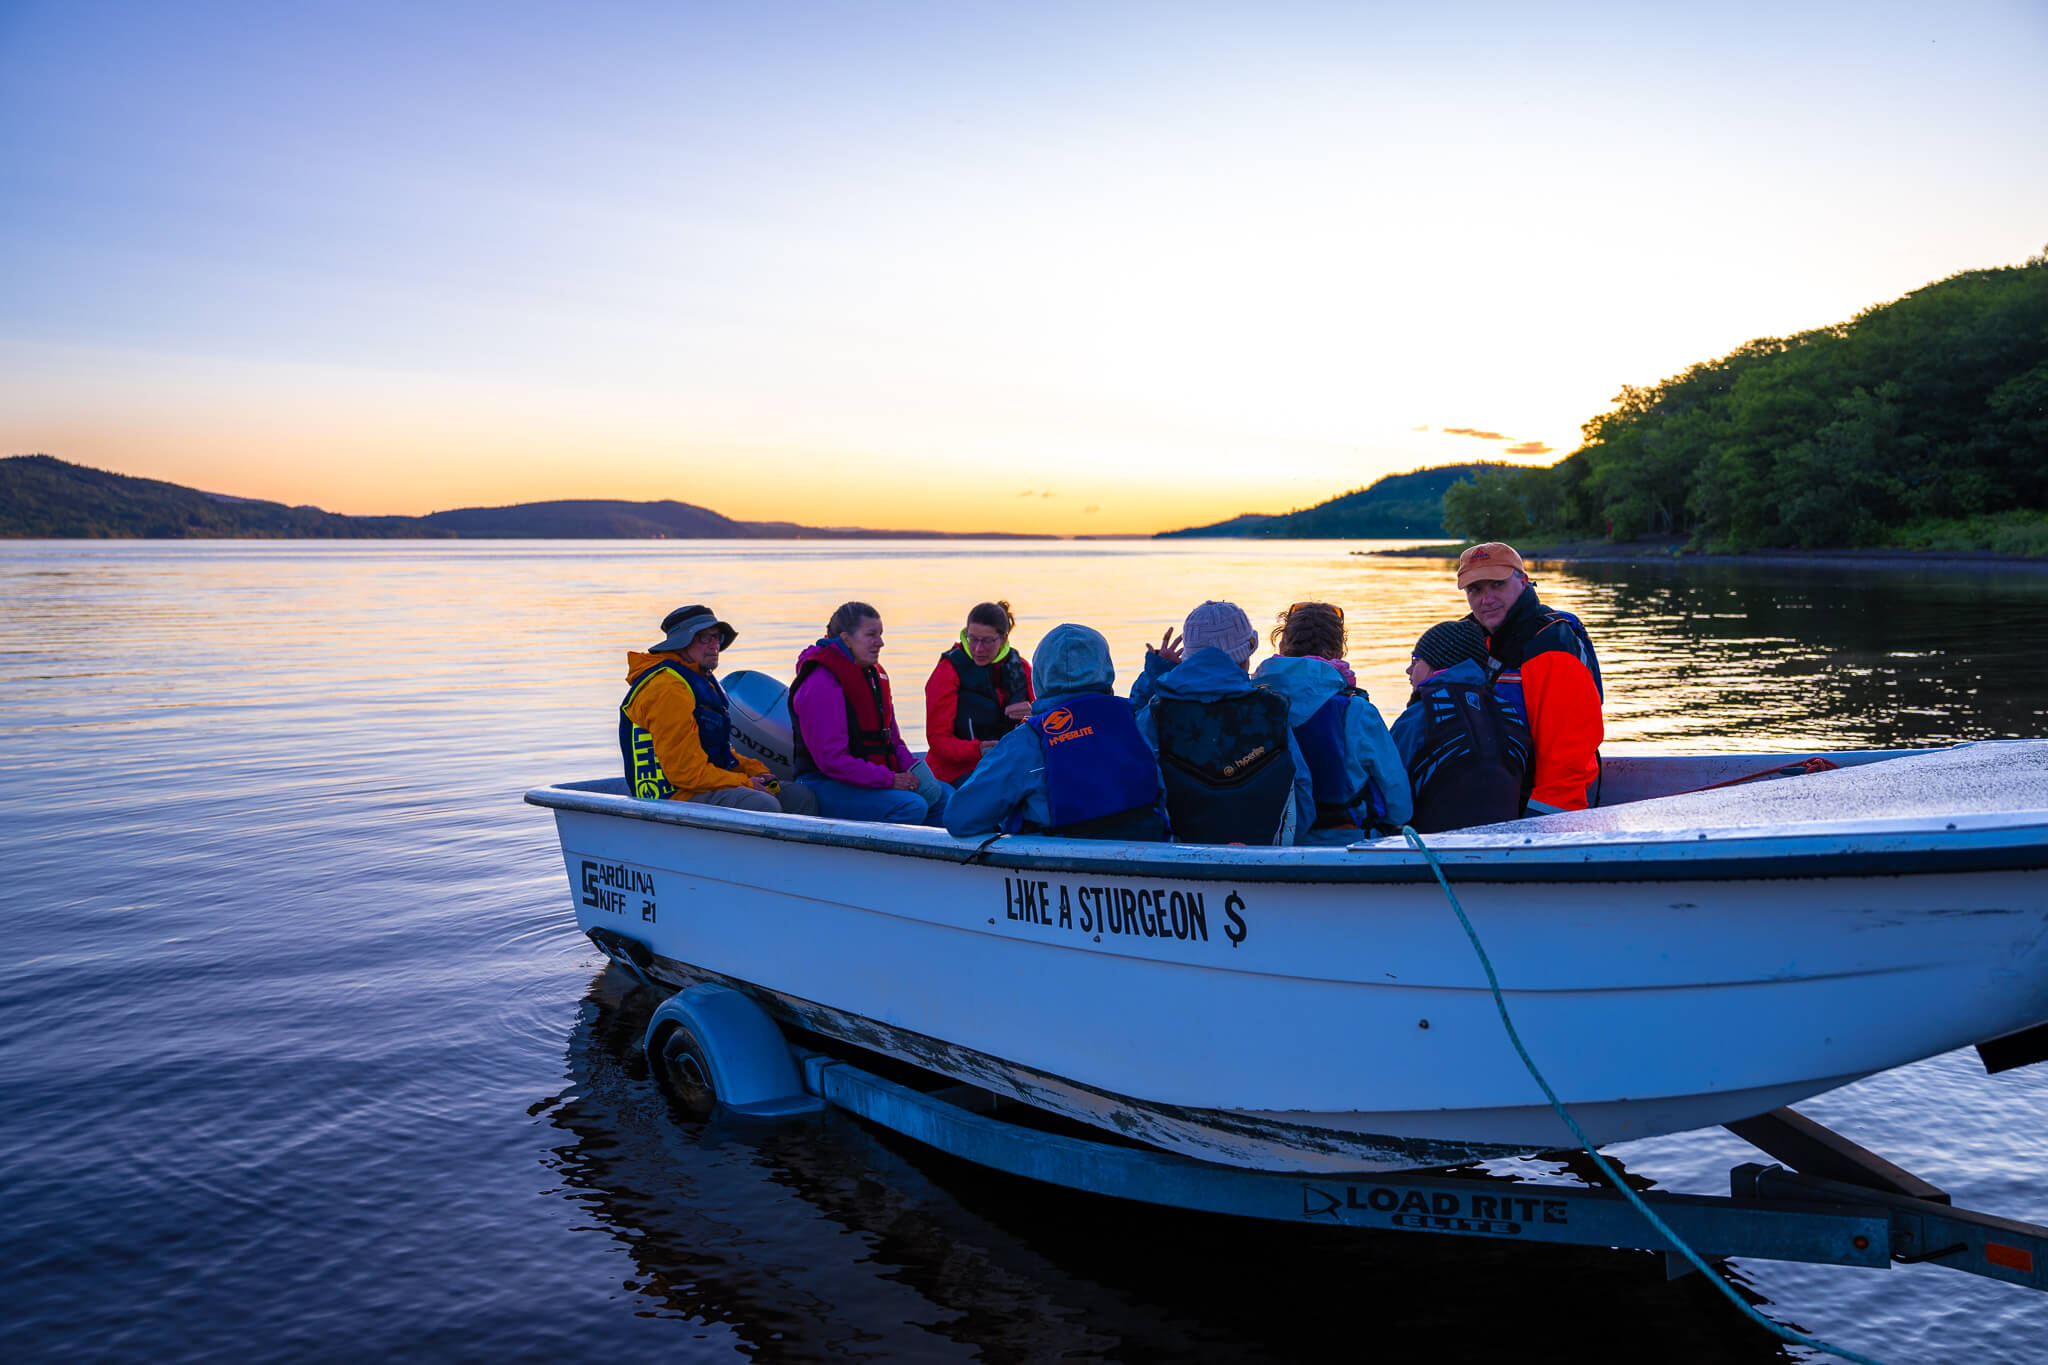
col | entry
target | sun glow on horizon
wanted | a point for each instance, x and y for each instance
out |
(905, 268)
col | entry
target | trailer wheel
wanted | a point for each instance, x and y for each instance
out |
(710, 1047)
(683, 1069)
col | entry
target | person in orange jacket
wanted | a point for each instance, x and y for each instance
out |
(1547, 658)
(675, 733)
(979, 692)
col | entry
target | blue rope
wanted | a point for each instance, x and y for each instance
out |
(1493, 983)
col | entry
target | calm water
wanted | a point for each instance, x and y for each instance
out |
(301, 1057)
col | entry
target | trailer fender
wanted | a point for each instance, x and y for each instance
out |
(710, 1045)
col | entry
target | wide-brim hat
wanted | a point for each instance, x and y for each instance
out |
(685, 624)
(1488, 562)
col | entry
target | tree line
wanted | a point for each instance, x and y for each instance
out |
(1920, 418)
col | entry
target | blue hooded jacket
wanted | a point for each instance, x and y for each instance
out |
(1209, 674)
(1308, 685)
(1008, 785)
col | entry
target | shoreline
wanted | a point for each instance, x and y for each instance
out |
(1658, 552)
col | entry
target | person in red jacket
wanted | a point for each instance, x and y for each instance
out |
(980, 691)
(1546, 656)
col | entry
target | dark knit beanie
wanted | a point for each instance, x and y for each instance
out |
(1448, 642)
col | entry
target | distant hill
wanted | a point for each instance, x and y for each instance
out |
(1243, 524)
(44, 497)
(1398, 507)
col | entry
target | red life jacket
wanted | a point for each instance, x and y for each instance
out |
(870, 708)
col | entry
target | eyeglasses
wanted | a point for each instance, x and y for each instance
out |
(1331, 605)
(988, 640)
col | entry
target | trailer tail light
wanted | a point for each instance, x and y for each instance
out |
(2012, 1258)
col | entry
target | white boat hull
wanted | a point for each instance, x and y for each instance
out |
(1322, 1009)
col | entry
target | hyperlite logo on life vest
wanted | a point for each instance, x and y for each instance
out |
(1246, 760)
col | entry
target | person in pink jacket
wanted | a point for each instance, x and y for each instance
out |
(848, 750)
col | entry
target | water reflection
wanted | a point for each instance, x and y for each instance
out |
(823, 1239)
(1725, 657)
(290, 962)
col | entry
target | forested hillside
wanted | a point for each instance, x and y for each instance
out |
(44, 496)
(1919, 421)
(1394, 508)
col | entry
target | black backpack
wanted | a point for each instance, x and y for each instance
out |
(1226, 767)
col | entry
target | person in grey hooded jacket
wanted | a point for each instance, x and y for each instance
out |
(1078, 767)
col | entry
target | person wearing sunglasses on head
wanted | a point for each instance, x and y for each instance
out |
(980, 691)
(1361, 787)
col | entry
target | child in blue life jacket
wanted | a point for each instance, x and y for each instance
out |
(1466, 748)
(1360, 783)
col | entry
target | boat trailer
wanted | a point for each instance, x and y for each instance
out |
(1832, 1202)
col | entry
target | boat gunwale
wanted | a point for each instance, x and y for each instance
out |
(1931, 845)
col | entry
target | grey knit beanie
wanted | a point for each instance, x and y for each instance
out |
(1222, 625)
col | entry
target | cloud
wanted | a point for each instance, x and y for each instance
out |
(1091, 509)
(1048, 493)
(1527, 448)
(1475, 432)
(1025, 494)
(1423, 427)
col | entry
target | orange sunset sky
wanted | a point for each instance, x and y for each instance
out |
(1061, 267)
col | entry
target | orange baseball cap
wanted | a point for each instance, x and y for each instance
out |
(1490, 561)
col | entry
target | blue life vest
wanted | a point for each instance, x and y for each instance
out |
(1101, 781)
(1228, 774)
(1473, 765)
(714, 732)
(1321, 741)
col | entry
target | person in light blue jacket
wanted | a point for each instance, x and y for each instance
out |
(1227, 754)
(1078, 767)
(1360, 784)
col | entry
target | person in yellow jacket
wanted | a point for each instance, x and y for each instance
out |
(675, 730)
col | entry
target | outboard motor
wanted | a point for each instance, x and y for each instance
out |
(758, 706)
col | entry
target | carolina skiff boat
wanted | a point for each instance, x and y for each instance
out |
(1673, 958)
